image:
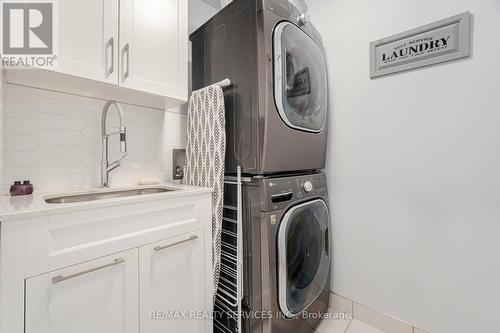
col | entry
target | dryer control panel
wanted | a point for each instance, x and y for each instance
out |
(280, 192)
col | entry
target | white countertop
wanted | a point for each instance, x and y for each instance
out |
(13, 208)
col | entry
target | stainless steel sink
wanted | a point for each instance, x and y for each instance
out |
(101, 195)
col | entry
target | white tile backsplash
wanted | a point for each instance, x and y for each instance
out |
(53, 139)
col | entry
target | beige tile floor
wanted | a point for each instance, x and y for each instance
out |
(345, 326)
(358, 317)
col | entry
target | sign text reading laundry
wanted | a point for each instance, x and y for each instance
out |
(416, 48)
(434, 43)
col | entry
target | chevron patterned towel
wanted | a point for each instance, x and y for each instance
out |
(205, 152)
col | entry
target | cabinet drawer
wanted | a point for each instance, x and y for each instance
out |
(99, 296)
(62, 240)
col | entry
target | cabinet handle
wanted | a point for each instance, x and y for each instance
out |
(112, 45)
(126, 50)
(161, 248)
(60, 278)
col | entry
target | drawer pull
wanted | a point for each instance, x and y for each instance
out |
(60, 278)
(161, 248)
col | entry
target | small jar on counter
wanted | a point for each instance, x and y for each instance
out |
(26, 188)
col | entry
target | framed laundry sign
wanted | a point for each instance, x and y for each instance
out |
(438, 42)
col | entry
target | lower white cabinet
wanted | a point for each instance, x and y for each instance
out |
(172, 284)
(162, 283)
(139, 267)
(99, 296)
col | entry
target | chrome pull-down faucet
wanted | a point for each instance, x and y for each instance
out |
(106, 167)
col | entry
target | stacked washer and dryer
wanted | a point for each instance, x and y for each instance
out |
(276, 110)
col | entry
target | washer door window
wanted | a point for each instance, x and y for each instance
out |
(300, 86)
(303, 256)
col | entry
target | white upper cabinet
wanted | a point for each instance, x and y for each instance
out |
(153, 46)
(133, 51)
(87, 36)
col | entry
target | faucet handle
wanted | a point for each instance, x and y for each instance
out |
(116, 163)
(123, 156)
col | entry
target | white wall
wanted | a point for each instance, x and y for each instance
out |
(199, 12)
(2, 150)
(414, 167)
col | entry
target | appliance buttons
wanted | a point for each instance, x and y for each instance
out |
(303, 19)
(307, 186)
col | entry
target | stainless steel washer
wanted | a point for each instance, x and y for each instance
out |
(287, 256)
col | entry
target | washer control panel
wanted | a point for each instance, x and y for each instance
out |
(282, 191)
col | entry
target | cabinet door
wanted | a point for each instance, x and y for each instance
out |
(171, 278)
(88, 39)
(154, 44)
(99, 296)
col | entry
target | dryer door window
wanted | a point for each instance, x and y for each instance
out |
(300, 86)
(303, 256)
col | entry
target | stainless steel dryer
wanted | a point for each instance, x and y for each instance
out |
(287, 252)
(276, 109)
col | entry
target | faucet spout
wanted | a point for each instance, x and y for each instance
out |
(106, 167)
(105, 114)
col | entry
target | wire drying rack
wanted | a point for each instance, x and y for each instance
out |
(227, 308)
